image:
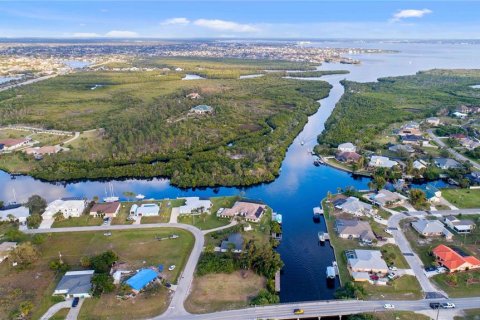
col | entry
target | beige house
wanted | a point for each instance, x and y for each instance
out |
(250, 211)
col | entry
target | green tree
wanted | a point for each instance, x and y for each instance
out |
(36, 204)
(102, 283)
(59, 216)
(103, 262)
(417, 198)
(265, 297)
(34, 220)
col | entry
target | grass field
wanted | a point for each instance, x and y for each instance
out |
(459, 284)
(82, 221)
(403, 288)
(135, 247)
(215, 292)
(61, 314)
(472, 314)
(462, 198)
(397, 315)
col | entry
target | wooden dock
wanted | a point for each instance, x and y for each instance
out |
(277, 281)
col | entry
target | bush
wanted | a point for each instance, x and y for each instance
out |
(215, 263)
(265, 297)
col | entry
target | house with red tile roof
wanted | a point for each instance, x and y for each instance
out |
(454, 261)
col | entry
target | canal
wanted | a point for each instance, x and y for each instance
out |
(301, 185)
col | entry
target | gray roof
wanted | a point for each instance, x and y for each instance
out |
(354, 205)
(367, 260)
(447, 163)
(355, 228)
(76, 282)
(428, 226)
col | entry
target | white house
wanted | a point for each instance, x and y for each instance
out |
(419, 164)
(12, 144)
(354, 206)
(75, 284)
(69, 207)
(347, 147)
(433, 121)
(459, 226)
(195, 205)
(366, 261)
(145, 210)
(19, 213)
(460, 115)
(381, 162)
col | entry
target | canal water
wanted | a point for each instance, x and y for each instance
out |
(300, 186)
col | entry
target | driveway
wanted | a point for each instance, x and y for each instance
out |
(73, 313)
(55, 308)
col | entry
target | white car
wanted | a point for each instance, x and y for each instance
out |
(171, 268)
(392, 268)
(448, 305)
(388, 306)
(441, 269)
(388, 231)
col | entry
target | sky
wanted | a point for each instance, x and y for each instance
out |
(241, 19)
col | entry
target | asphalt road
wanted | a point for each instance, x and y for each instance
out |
(455, 154)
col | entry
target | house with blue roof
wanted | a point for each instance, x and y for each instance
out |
(141, 279)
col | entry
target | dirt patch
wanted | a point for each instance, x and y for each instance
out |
(215, 292)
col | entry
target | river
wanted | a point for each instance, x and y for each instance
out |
(300, 186)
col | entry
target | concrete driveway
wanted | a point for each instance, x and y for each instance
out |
(55, 308)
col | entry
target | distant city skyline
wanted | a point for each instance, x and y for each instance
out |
(241, 19)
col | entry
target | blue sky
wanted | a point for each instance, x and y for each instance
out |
(241, 19)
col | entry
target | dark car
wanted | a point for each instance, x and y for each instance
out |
(430, 269)
(75, 302)
(434, 305)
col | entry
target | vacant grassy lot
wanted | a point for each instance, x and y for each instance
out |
(472, 314)
(459, 284)
(82, 221)
(403, 288)
(135, 247)
(462, 198)
(397, 315)
(215, 292)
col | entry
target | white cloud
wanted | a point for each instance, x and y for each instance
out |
(410, 13)
(175, 21)
(121, 34)
(86, 35)
(222, 25)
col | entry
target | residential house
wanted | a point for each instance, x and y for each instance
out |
(195, 205)
(69, 207)
(354, 229)
(5, 248)
(366, 261)
(347, 147)
(453, 261)
(386, 198)
(141, 279)
(12, 144)
(354, 206)
(18, 212)
(412, 139)
(108, 209)
(250, 211)
(201, 109)
(381, 162)
(145, 210)
(469, 143)
(348, 157)
(401, 148)
(45, 150)
(420, 164)
(75, 284)
(433, 121)
(431, 228)
(411, 128)
(447, 163)
(459, 226)
(234, 243)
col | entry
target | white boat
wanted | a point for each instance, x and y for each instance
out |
(302, 143)
(331, 272)
(321, 236)
(111, 197)
(140, 196)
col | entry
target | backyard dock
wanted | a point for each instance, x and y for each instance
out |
(277, 281)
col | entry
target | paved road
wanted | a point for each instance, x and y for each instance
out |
(412, 258)
(455, 154)
(473, 211)
(27, 82)
(323, 308)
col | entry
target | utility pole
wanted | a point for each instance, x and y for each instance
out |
(60, 257)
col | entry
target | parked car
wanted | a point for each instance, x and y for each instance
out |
(430, 269)
(298, 311)
(448, 305)
(434, 305)
(75, 302)
(388, 306)
(441, 269)
(388, 231)
(172, 267)
(392, 268)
